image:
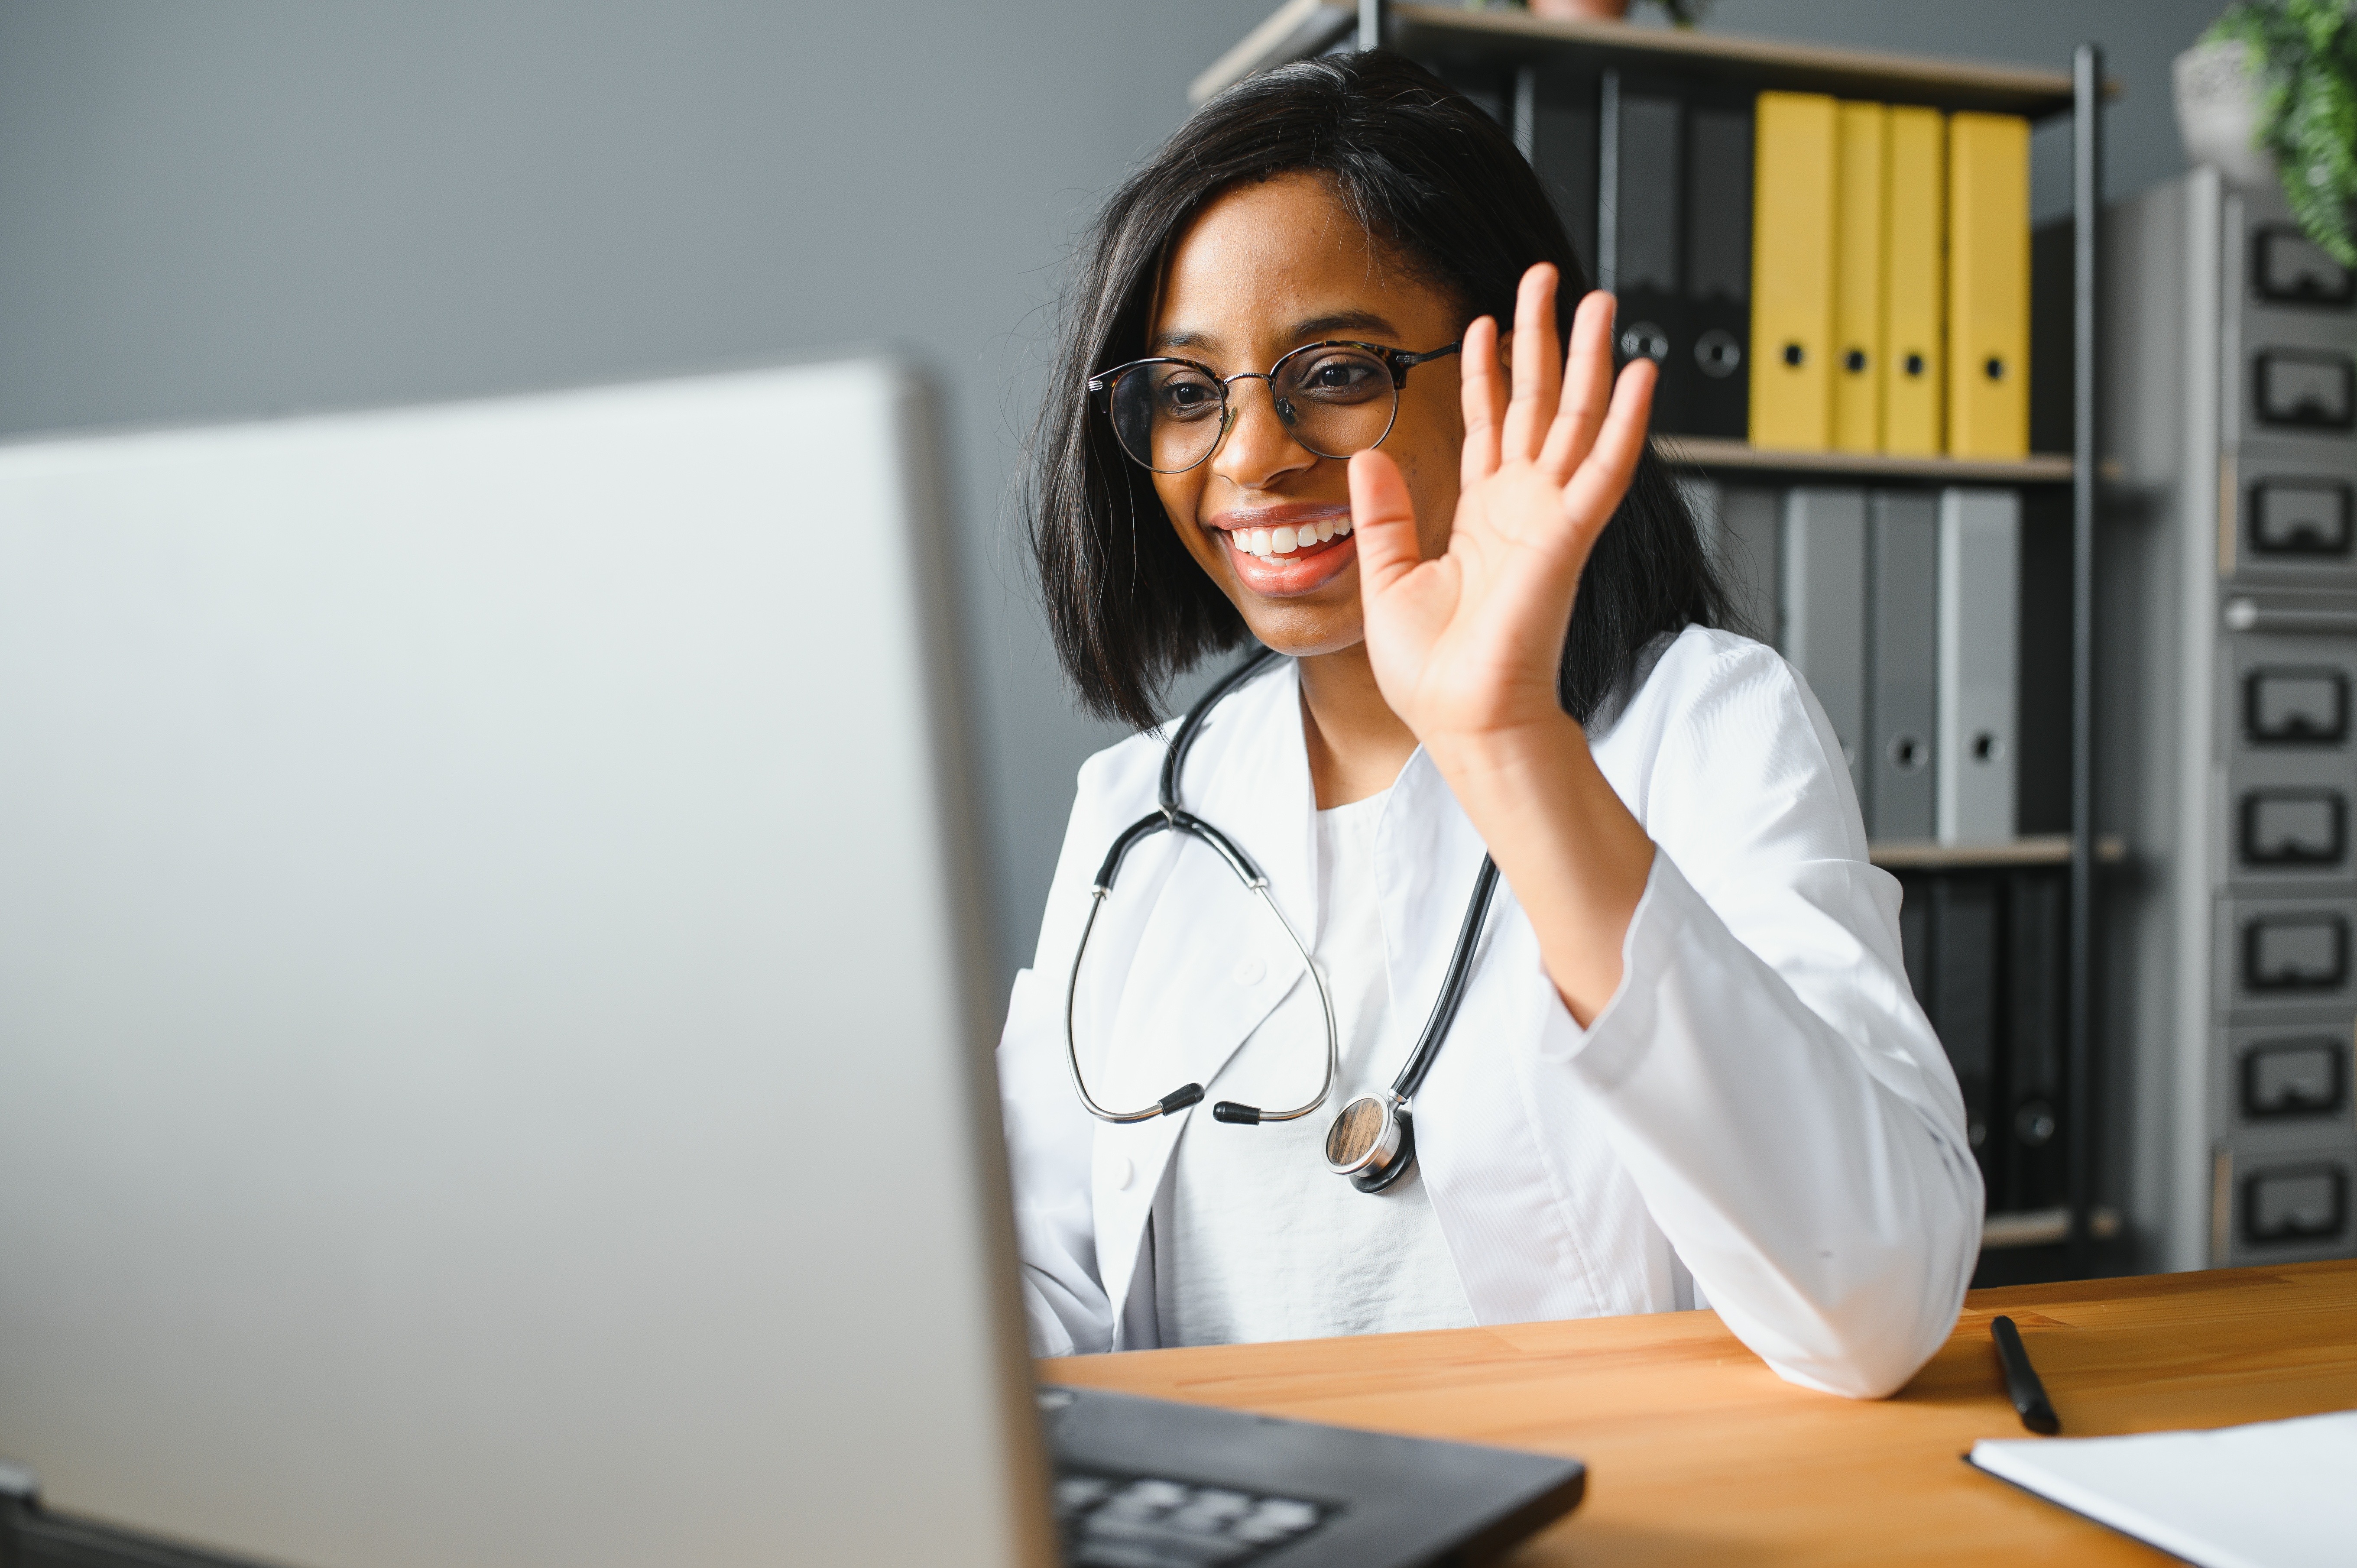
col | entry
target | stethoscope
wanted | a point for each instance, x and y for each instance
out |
(1373, 1141)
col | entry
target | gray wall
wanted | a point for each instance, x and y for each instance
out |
(219, 209)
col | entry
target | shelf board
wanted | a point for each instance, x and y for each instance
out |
(1926, 854)
(2044, 1227)
(1514, 37)
(1711, 453)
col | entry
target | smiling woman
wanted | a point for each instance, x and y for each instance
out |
(1681, 1062)
(1389, 186)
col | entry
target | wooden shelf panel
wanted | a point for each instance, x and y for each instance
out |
(1711, 454)
(1925, 854)
(2044, 1228)
(1508, 39)
(1756, 62)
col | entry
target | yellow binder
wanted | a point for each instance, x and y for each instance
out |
(1988, 287)
(1862, 132)
(1913, 366)
(1792, 271)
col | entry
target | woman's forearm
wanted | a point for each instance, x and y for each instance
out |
(1567, 846)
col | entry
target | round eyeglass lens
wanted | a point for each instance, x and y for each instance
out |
(1336, 401)
(1168, 417)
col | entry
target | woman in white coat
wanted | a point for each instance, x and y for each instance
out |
(1686, 1066)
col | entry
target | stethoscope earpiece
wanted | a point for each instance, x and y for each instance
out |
(1372, 1141)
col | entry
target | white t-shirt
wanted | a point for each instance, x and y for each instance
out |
(1253, 1237)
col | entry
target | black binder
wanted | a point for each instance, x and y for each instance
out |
(1719, 269)
(1683, 251)
(1965, 1000)
(2038, 950)
(1563, 152)
(1648, 273)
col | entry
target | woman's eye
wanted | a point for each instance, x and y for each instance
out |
(1182, 399)
(1329, 378)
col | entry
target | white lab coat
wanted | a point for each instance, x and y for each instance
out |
(1761, 1102)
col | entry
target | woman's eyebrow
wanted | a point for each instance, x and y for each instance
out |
(1181, 338)
(1345, 321)
(1316, 327)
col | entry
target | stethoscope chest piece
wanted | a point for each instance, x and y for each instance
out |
(1372, 1141)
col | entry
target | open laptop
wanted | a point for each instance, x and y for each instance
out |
(494, 1034)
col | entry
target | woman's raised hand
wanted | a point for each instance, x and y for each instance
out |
(1466, 646)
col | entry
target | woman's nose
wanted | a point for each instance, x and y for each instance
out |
(1258, 449)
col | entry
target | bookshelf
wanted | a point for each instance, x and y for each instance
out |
(1517, 50)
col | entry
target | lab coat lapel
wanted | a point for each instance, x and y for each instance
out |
(1199, 962)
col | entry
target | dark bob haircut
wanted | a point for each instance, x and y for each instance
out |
(1438, 185)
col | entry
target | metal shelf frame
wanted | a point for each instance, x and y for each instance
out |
(1513, 38)
(1522, 44)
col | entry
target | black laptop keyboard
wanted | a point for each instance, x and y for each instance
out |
(1138, 1521)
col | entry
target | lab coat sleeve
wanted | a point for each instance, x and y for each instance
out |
(1773, 1087)
(1051, 1138)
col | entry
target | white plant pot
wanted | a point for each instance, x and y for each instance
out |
(2218, 112)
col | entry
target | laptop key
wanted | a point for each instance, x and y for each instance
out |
(1163, 1544)
(1077, 1493)
(1147, 1521)
(1152, 1494)
(1214, 1502)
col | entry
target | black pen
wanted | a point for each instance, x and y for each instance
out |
(2021, 1379)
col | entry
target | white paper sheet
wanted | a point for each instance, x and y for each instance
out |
(2275, 1494)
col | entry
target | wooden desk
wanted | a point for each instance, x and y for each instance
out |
(1697, 1452)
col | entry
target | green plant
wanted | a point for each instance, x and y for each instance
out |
(2304, 55)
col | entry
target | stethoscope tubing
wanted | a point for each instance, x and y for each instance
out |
(1250, 875)
(1452, 988)
(1169, 817)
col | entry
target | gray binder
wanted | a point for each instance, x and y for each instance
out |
(1824, 609)
(1744, 540)
(1902, 698)
(1980, 594)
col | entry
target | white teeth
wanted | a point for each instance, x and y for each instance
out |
(1271, 543)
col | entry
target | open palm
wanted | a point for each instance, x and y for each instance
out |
(1466, 645)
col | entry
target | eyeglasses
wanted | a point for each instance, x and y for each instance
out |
(1334, 399)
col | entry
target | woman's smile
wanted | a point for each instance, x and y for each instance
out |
(1283, 550)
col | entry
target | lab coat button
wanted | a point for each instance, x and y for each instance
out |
(1249, 971)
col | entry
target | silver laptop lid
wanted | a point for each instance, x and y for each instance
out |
(492, 1054)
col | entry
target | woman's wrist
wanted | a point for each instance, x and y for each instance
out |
(1576, 857)
(1511, 756)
